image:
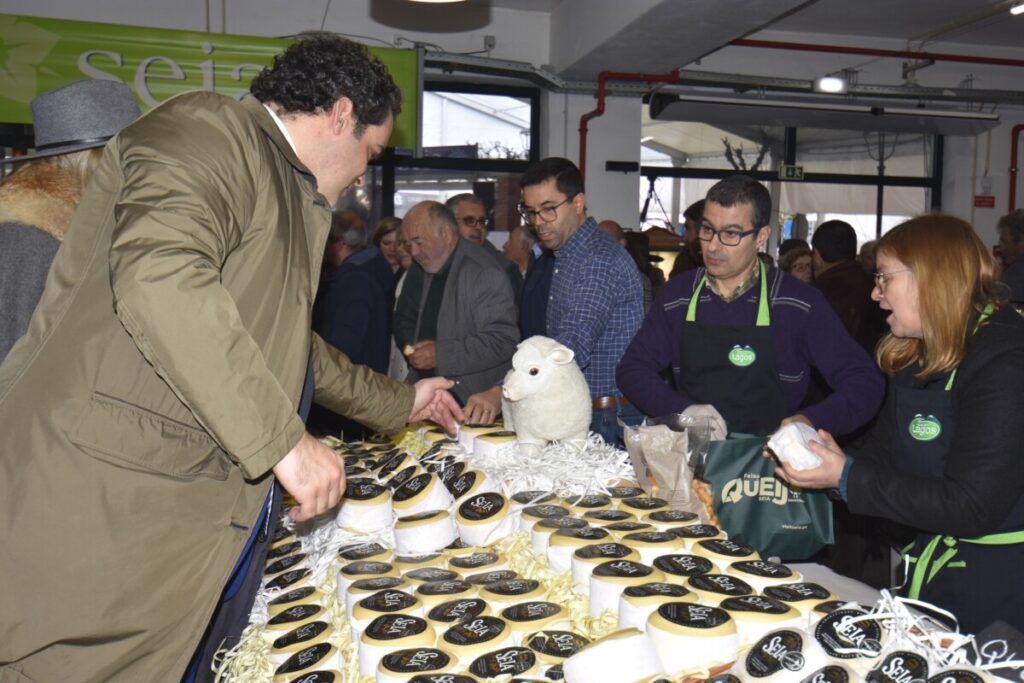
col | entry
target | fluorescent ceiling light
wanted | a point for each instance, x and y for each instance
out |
(646, 138)
(1017, 9)
(830, 84)
(438, 1)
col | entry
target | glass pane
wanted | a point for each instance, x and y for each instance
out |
(700, 145)
(804, 206)
(821, 150)
(499, 191)
(472, 126)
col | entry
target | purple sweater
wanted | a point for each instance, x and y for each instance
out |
(806, 332)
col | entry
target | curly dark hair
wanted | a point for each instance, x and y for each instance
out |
(320, 68)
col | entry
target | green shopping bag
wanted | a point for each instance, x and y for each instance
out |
(757, 508)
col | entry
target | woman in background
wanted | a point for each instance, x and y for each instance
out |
(385, 238)
(37, 201)
(947, 455)
(798, 263)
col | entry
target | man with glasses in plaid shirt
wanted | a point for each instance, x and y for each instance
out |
(741, 338)
(595, 303)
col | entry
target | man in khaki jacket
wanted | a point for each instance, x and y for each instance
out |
(153, 400)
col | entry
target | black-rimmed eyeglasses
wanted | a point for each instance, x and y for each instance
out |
(730, 237)
(545, 213)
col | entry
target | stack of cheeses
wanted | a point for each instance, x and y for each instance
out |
(426, 592)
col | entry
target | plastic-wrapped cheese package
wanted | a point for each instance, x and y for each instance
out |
(789, 445)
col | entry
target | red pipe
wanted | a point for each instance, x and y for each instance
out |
(602, 80)
(1015, 138)
(874, 52)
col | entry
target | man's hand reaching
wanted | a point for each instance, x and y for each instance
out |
(314, 475)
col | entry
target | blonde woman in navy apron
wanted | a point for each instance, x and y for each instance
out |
(947, 454)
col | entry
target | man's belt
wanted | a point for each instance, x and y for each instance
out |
(609, 402)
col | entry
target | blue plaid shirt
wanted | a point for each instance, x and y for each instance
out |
(595, 305)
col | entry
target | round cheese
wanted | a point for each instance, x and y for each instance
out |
(637, 603)
(712, 589)
(609, 579)
(692, 637)
(421, 493)
(484, 518)
(426, 532)
(589, 556)
(652, 544)
(724, 552)
(470, 638)
(541, 532)
(564, 542)
(434, 593)
(508, 661)
(625, 655)
(399, 666)
(388, 633)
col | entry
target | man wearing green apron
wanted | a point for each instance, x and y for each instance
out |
(741, 337)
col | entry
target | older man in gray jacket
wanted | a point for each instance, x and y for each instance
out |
(456, 314)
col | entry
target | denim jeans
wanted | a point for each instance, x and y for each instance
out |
(605, 421)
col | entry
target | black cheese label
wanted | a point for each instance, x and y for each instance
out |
(530, 611)
(556, 673)
(777, 651)
(427, 574)
(415, 660)
(828, 607)
(721, 584)
(284, 564)
(696, 531)
(610, 516)
(452, 587)
(355, 471)
(513, 587)
(302, 634)
(762, 568)
(727, 548)
(484, 578)
(462, 484)
(723, 678)
(899, 667)
(449, 473)
(590, 534)
(754, 603)
(562, 523)
(602, 550)
(595, 500)
(629, 527)
(360, 489)
(354, 553)
(282, 550)
(956, 676)
(482, 629)
(288, 578)
(845, 635)
(296, 613)
(378, 584)
(693, 616)
(416, 559)
(657, 588)
(507, 661)
(622, 568)
(533, 497)
(413, 487)
(831, 674)
(797, 592)
(644, 503)
(421, 516)
(672, 517)
(318, 677)
(474, 561)
(304, 659)
(625, 492)
(562, 644)
(503, 433)
(684, 565)
(392, 464)
(388, 601)
(293, 596)
(458, 610)
(366, 567)
(406, 476)
(544, 511)
(280, 534)
(442, 678)
(651, 537)
(395, 626)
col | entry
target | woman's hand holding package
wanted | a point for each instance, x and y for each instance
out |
(826, 475)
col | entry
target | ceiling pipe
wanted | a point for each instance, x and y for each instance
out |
(1015, 138)
(875, 52)
(602, 80)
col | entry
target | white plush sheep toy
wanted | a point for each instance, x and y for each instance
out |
(545, 396)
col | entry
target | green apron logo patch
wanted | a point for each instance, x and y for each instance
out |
(925, 428)
(742, 356)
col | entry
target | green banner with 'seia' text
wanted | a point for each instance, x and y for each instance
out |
(38, 54)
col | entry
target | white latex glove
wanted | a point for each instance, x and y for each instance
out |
(716, 423)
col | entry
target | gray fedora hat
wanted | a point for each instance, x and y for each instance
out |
(78, 116)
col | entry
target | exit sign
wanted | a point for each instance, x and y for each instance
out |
(787, 172)
(985, 201)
